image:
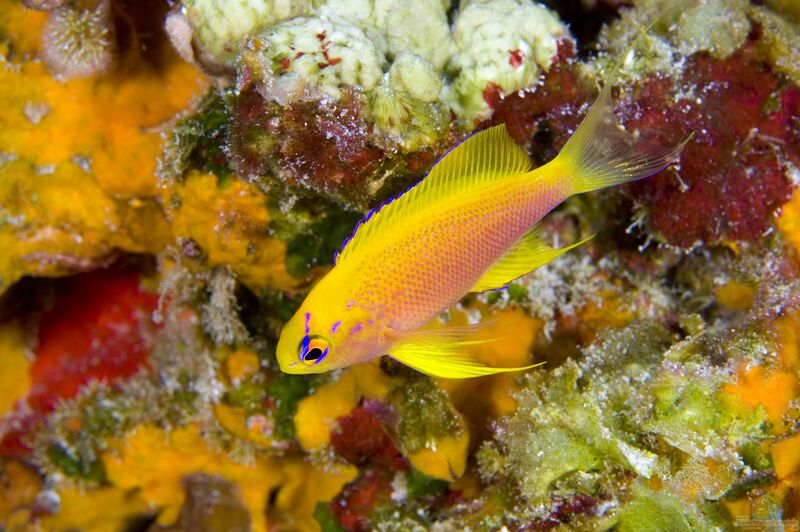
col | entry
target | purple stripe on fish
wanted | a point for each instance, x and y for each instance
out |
(498, 289)
(335, 326)
(306, 339)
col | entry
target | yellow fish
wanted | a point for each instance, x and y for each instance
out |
(469, 225)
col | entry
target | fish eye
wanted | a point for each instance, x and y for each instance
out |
(313, 350)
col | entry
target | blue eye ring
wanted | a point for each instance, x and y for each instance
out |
(313, 350)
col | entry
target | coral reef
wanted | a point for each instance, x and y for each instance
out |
(160, 224)
(501, 47)
(386, 92)
(218, 27)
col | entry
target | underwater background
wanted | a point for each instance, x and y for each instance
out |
(175, 176)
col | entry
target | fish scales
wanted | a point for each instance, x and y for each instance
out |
(431, 264)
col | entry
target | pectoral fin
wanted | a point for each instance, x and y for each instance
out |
(439, 353)
(530, 253)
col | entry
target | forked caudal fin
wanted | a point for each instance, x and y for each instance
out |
(601, 154)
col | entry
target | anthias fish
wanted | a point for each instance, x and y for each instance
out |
(469, 225)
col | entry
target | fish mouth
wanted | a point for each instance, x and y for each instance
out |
(293, 368)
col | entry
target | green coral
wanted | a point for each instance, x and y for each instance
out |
(404, 108)
(314, 53)
(493, 43)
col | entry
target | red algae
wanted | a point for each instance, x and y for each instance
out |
(563, 511)
(732, 174)
(100, 328)
(319, 145)
(326, 145)
(542, 119)
(354, 505)
(362, 439)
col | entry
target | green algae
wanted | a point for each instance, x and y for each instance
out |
(714, 26)
(326, 520)
(421, 485)
(628, 406)
(651, 512)
(313, 231)
(425, 412)
(196, 141)
(686, 27)
(287, 391)
(782, 41)
(76, 467)
(571, 417)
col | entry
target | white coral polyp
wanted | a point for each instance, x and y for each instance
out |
(220, 25)
(500, 43)
(321, 54)
(414, 75)
(419, 27)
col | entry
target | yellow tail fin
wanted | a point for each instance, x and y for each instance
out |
(601, 153)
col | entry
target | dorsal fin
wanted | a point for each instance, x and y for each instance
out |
(481, 158)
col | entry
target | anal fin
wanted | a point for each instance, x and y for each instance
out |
(531, 252)
(439, 353)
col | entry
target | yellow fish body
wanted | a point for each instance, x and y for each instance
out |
(469, 225)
